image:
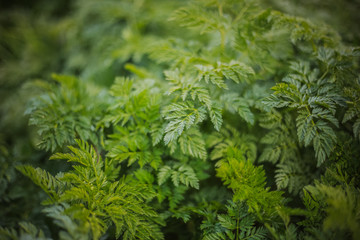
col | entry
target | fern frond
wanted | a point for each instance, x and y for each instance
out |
(343, 208)
(236, 71)
(176, 52)
(198, 17)
(182, 116)
(216, 117)
(236, 104)
(27, 231)
(340, 206)
(96, 201)
(164, 174)
(64, 113)
(315, 100)
(192, 143)
(71, 228)
(48, 183)
(248, 183)
(238, 223)
(230, 137)
(179, 174)
(292, 175)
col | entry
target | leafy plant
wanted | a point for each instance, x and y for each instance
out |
(215, 119)
(94, 199)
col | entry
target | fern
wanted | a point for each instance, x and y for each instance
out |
(237, 223)
(248, 184)
(175, 52)
(235, 104)
(136, 148)
(234, 70)
(27, 231)
(183, 174)
(193, 144)
(98, 202)
(197, 17)
(316, 107)
(341, 207)
(292, 176)
(201, 119)
(71, 229)
(352, 113)
(182, 116)
(50, 184)
(64, 113)
(230, 137)
(133, 105)
(188, 87)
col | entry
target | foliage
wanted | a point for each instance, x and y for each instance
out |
(64, 113)
(96, 201)
(27, 231)
(248, 184)
(199, 119)
(236, 223)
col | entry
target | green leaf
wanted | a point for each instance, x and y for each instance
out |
(164, 173)
(182, 116)
(192, 143)
(188, 177)
(246, 114)
(216, 117)
(50, 184)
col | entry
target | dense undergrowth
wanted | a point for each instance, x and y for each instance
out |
(209, 119)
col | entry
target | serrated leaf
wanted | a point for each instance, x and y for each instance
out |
(274, 101)
(188, 177)
(271, 154)
(310, 134)
(164, 173)
(175, 178)
(227, 222)
(192, 143)
(319, 147)
(216, 117)
(349, 114)
(246, 114)
(182, 116)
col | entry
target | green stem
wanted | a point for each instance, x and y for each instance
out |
(312, 120)
(313, 46)
(243, 10)
(237, 229)
(324, 74)
(222, 35)
(220, 9)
